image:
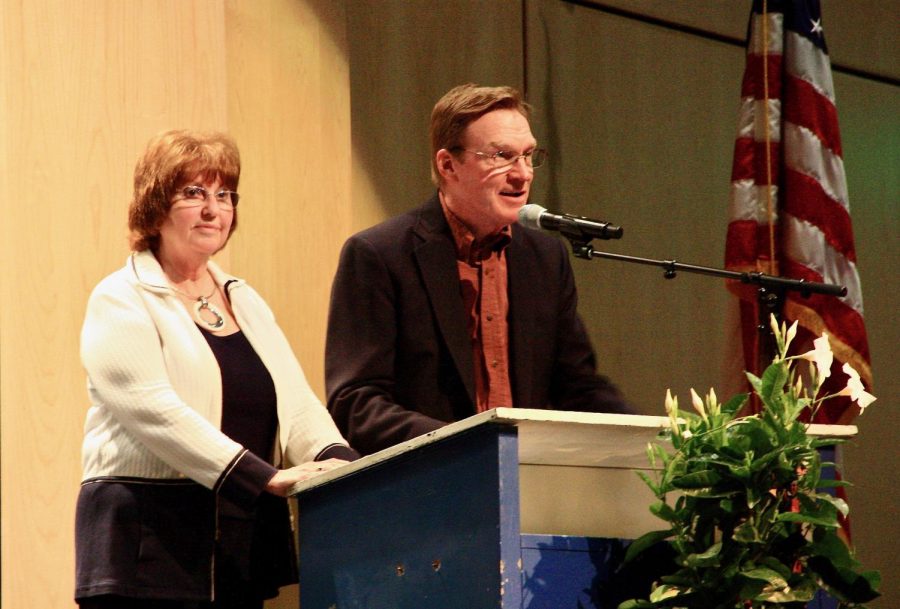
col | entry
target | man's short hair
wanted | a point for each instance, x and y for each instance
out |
(463, 105)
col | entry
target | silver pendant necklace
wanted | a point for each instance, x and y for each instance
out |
(203, 303)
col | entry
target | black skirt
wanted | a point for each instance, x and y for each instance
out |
(158, 540)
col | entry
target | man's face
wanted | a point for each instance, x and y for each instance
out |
(483, 196)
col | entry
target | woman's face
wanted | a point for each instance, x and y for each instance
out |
(199, 221)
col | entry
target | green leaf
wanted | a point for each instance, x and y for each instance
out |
(654, 487)
(732, 406)
(709, 558)
(802, 591)
(771, 577)
(666, 592)
(645, 541)
(849, 585)
(807, 518)
(839, 504)
(773, 380)
(773, 563)
(664, 511)
(820, 442)
(755, 381)
(699, 479)
(828, 545)
(707, 492)
(746, 532)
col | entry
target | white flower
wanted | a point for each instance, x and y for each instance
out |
(791, 333)
(672, 410)
(698, 404)
(783, 333)
(855, 389)
(822, 356)
(671, 403)
(798, 386)
(712, 401)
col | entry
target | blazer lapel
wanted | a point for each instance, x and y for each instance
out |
(436, 258)
(522, 286)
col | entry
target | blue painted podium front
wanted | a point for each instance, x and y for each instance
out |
(435, 528)
(437, 523)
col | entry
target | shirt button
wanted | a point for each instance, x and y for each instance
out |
(494, 364)
(490, 317)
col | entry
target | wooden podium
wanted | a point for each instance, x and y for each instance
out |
(511, 508)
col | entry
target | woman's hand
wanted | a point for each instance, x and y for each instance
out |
(284, 479)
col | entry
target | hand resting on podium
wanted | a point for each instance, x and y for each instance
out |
(284, 479)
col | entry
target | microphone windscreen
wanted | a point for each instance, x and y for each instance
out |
(530, 215)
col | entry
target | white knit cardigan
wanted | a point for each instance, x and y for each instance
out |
(155, 385)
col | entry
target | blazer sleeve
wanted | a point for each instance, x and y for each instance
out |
(360, 353)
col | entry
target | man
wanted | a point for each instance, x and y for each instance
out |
(449, 310)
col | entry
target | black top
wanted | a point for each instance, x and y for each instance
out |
(255, 551)
(249, 404)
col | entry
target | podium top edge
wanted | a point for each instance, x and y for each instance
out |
(548, 430)
(518, 415)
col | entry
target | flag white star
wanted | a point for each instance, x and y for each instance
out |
(816, 26)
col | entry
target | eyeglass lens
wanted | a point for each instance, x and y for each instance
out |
(227, 198)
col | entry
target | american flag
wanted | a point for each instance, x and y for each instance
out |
(790, 213)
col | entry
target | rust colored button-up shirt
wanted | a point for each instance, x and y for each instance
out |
(482, 283)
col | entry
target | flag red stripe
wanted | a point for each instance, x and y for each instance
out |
(762, 177)
(747, 245)
(742, 164)
(805, 199)
(752, 85)
(805, 106)
(749, 161)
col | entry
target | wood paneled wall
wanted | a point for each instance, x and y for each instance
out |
(83, 86)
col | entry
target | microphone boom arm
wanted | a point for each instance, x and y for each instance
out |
(583, 249)
(770, 289)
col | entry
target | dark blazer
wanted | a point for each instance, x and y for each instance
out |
(398, 359)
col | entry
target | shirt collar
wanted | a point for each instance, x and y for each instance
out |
(470, 250)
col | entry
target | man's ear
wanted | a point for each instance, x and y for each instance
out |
(445, 163)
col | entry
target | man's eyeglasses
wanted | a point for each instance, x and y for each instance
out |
(507, 158)
(227, 199)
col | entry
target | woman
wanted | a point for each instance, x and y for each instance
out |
(196, 402)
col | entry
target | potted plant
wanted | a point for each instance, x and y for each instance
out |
(748, 521)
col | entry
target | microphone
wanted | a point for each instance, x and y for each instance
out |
(576, 227)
